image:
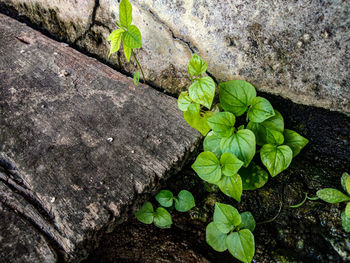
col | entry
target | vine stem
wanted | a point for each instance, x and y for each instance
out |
(137, 62)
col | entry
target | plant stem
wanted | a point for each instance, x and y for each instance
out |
(137, 62)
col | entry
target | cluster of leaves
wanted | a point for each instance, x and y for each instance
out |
(130, 34)
(334, 196)
(233, 231)
(229, 151)
(161, 217)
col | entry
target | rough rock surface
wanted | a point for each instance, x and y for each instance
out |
(296, 49)
(78, 143)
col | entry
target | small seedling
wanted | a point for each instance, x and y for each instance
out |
(228, 151)
(233, 231)
(130, 34)
(334, 196)
(161, 217)
(183, 202)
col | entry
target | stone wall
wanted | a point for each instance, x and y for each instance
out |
(297, 49)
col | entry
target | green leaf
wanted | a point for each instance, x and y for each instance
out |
(230, 164)
(215, 238)
(115, 37)
(212, 144)
(127, 52)
(196, 66)
(332, 196)
(253, 177)
(295, 141)
(202, 91)
(266, 131)
(345, 182)
(347, 210)
(125, 13)
(207, 166)
(236, 95)
(260, 110)
(345, 222)
(184, 201)
(241, 245)
(132, 37)
(184, 101)
(145, 214)
(231, 186)
(165, 198)
(248, 221)
(241, 144)
(136, 78)
(226, 217)
(276, 158)
(195, 120)
(274, 137)
(162, 218)
(222, 123)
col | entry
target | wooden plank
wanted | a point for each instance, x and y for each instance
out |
(78, 141)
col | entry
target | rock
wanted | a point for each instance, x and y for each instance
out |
(63, 182)
(296, 49)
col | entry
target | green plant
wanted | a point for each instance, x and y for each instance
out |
(130, 34)
(229, 151)
(161, 217)
(334, 196)
(233, 231)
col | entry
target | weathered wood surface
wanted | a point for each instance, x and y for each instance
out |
(62, 182)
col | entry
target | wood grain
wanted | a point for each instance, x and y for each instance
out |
(78, 144)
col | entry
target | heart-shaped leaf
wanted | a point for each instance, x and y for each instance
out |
(132, 37)
(125, 13)
(115, 37)
(295, 141)
(226, 217)
(165, 198)
(332, 196)
(276, 158)
(230, 164)
(162, 218)
(231, 186)
(253, 177)
(212, 144)
(215, 238)
(347, 210)
(345, 182)
(274, 137)
(241, 245)
(236, 95)
(222, 123)
(269, 131)
(207, 166)
(145, 214)
(248, 221)
(202, 91)
(241, 144)
(184, 101)
(195, 120)
(345, 222)
(260, 110)
(184, 201)
(196, 66)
